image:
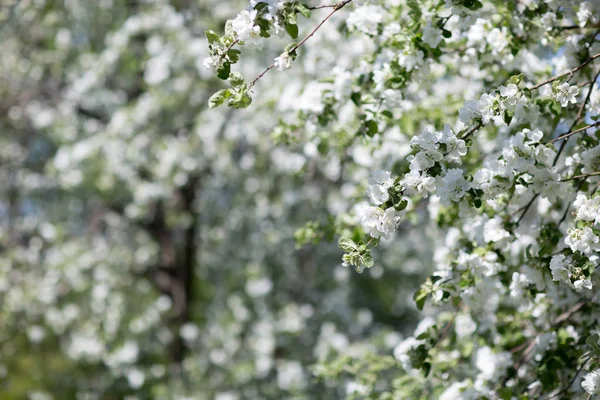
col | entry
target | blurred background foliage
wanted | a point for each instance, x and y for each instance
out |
(147, 244)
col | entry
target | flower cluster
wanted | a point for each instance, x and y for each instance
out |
(386, 194)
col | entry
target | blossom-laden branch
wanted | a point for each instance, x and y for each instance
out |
(530, 344)
(579, 116)
(252, 26)
(566, 135)
(583, 176)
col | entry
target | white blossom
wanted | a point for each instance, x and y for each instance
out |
(244, 27)
(379, 184)
(378, 222)
(366, 19)
(452, 186)
(490, 364)
(591, 382)
(418, 182)
(283, 62)
(587, 210)
(582, 239)
(432, 36)
(566, 94)
(455, 148)
(560, 267)
(486, 107)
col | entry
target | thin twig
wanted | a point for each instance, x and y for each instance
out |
(236, 41)
(569, 134)
(526, 208)
(580, 176)
(531, 344)
(472, 130)
(324, 6)
(336, 7)
(571, 27)
(447, 327)
(566, 388)
(567, 314)
(570, 72)
(580, 115)
(564, 216)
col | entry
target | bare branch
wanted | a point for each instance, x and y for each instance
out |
(570, 72)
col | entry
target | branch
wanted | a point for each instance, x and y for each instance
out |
(570, 72)
(526, 208)
(578, 117)
(569, 134)
(580, 176)
(447, 327)
(236, 41)
(335, 7)
(320, 7)
(564, 216)
(531, 344)
(571, 27)
(472, 130)
(566, 388)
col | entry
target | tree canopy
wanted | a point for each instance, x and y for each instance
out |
(383, 199)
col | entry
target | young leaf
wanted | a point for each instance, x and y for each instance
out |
(224, 70)
(212, 37)
(292, 30)
(347, 244)
(303, 9)
(218, 98)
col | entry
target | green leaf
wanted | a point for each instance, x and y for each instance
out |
(234, 55)
(507, 117)
(419, 298)
(224, 70)
(291, 19)
(347, 244)
(415, 9)
(218, 98)
(240, 100)
(303, 9)
(424, 335)
(516, 79)
(473, 4)
(594, 342)
(388, 114)
(260, 6)
(426, 368)
(292, 30)
(290, 47)
(401, 205)
(212, 37)
(371, 128)
(236, 79)
(367, 260)
(506, 393)
(446, 33)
